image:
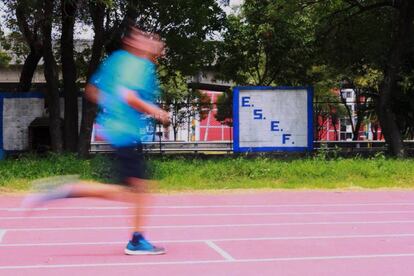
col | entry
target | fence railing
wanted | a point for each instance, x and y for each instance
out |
(172, 147)
(227, 146)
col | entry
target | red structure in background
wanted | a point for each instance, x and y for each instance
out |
(330, 127)
(210, 128)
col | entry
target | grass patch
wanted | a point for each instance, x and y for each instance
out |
(181, 174)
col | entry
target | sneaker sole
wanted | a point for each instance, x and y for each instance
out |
(141, 252)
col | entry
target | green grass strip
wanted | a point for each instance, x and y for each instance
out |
(217, 173)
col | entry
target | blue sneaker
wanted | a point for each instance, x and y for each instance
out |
(142, 247)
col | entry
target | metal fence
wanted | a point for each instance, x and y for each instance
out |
(172, 147)
(227, 147)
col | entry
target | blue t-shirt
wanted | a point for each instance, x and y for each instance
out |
(120, 124)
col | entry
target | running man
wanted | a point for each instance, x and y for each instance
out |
(125, 88)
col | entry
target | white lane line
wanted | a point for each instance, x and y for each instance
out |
(220, 250)
(214, 225)
(2, 233)
(210, 206)
(281, 259)
(211, 215)
(280, 238)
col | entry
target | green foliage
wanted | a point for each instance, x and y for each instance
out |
(187, 27)
(351, 40)
(353, 44)
(15, 43)
(4, 59)
(268, 43)
(182, 102)
(326, 100)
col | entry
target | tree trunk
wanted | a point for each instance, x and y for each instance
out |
(334, 123)
(51, 75)
(35, 44)
(360, 112)
(28, 70)
(374, 130)
(399, 50)
(175, 130)
(97, 12)
(348, 111)
(355, 135)
(69, 76)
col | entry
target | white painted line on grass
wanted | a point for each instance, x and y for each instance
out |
(281, 259)
(214, 225)
(209, 206)
(220, 250)
(2, 233)
(211, 215)
(280, 238)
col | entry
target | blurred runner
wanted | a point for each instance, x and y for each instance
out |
(125, 88)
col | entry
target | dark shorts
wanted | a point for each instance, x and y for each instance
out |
(130, 162)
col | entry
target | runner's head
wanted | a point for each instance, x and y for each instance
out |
(143, 44)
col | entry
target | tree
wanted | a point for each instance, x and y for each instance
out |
(188, 27)
(184, 24)
(70, 89)
(97, 14)
(4, 57)
(51, 75)
(34, 20)
(403, 35)
(266, 44)
(182, 102)
(326, 106)
(374, 34)
(24, 20)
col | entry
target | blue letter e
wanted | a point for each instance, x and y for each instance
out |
(274, 126)
(245, 101)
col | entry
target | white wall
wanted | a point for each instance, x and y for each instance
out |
(17, 115)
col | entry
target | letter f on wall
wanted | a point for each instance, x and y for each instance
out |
(285, 137)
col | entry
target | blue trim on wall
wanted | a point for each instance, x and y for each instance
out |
(236, 130)
(310, 118)
(1, 125)
(18, 95)
(236, 123)
(266, 149)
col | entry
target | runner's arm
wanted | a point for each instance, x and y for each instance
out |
(133, 100)
(92, 93)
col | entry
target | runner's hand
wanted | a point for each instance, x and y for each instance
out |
(163, 117)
